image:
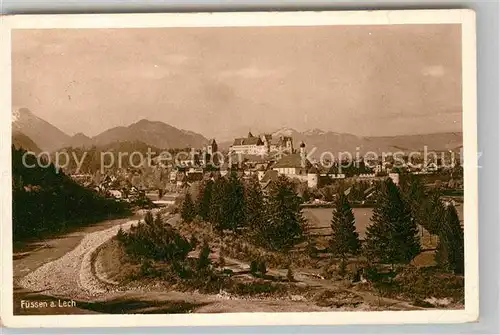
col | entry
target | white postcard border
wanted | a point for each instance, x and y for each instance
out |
(459, 16)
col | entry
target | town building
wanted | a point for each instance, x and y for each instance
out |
(251, 145)
(296, 165)
(262, 145)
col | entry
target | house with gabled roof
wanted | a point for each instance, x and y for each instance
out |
(297, 165)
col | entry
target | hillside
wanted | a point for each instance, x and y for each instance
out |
(91, 156)
(44, 201)
(154, 133)
(79, 140)
(45, 135)
(21, 141)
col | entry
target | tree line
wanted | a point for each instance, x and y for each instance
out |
(273, 219)
(392, 238)
(48, 201)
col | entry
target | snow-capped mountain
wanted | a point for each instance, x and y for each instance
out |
(45, 135)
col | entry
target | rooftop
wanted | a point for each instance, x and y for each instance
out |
(293, 161)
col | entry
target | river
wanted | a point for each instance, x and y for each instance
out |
(319, 218)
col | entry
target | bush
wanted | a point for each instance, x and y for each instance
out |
(154, 240)
(147, 269)
(262, 268)
(222, 260)
(420, 284)
(257, 288)
(204, 257)
(254, 267)
(193, 242)
(342, 268)
(289, 275)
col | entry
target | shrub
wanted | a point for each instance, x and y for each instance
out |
(155, 241)
(262, 268)
(342, 268)
(147, 268)
(193, 242)
(222, 261)
(257, 288)
(254, 267)
(204, 257)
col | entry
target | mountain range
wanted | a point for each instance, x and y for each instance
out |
(335, 142)
(27, 127)
(154, 133)
(45, 135)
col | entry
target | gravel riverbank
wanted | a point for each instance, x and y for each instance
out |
(71, 275)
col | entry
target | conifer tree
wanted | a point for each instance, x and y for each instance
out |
(235, 201)
(227, 205)
(433, 212)
(204, 199)
(218, 205)
(204, 257)
(148, 218)
(413, 193)
(345, 239)
(254, 201)
(392, 236)
(188, 211)
(450, 250)
(284, 221)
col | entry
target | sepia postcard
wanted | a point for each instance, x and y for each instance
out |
(231, 169)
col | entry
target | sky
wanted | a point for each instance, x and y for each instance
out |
(223, 82)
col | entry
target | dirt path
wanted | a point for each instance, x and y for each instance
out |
(63, 269)
(313, 280)
(64, 273)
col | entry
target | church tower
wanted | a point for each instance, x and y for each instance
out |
(212, 147)
(302, 150)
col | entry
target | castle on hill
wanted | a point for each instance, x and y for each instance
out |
(263, 144)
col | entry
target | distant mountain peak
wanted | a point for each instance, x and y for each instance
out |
(15, 115)
(20, 112)
(80, 134)
(154, 133)
(144, 121)
(45, 135)
(285, 131)
(314, 131)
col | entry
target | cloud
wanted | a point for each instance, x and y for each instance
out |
(433, 71)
